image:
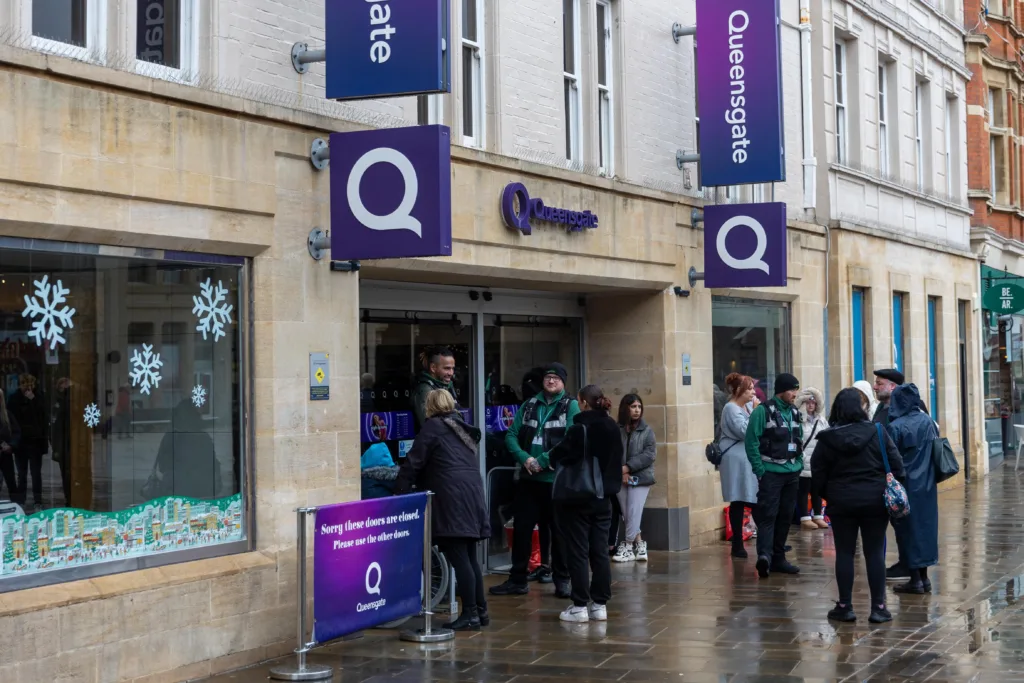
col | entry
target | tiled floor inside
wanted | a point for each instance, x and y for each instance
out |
(702, 617)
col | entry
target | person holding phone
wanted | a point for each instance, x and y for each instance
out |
(640, 449)
(739, 485)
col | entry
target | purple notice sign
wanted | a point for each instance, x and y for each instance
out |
(739, 85)
(367, 564)
(745, 245)
(391, 193)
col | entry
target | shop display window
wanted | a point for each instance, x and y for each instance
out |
(122, 437)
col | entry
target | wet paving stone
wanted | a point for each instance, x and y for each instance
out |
(701, 617)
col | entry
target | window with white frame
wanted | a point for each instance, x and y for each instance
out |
(429, 109)
(997, 168)
(165, 34)
(605, 118)
(951, 137)
(919, 132)
(571, 76)
(883, 119)
(841, 104)
(63, 25)
(472, 73)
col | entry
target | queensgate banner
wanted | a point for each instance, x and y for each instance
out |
(367, 564)
(739, 81)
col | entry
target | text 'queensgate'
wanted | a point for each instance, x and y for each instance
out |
(736, 116)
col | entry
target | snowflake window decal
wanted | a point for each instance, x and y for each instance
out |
(92, 415)
(146, 366)
(46, 305)
(198, 396)
(212, 309)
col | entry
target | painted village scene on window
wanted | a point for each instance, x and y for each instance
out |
(65, 537)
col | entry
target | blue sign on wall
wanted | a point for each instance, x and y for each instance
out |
(739, 81)
(386, 48)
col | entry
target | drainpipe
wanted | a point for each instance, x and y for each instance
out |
(810, 163)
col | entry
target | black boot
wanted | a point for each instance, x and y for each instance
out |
(465, 622)
(483, 616)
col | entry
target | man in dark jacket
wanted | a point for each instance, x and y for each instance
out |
(886, 382)
(32, 411)
(918, 533)
(438, 371)
(774, 448)
(538, 427)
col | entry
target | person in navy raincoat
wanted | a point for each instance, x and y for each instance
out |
(917, 534)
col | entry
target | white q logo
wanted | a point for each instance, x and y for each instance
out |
(753, 262)
(401, 218)
(373, 587)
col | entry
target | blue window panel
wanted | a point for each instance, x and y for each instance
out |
(857, 332)
(933, 361)
(897, 331)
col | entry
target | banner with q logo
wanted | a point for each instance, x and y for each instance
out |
(745, 245)
(391, 193)
(367, 564)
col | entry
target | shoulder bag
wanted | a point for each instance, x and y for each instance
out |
(944, 460)
(579, 481)
(896, 501)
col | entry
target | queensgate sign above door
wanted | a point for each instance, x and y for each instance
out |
(739, 81)
(386, 48)
(745, 245)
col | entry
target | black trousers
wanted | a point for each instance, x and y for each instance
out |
(776, 498)
(29, 456)
(801, 501)
(613, 528)
(533, 507)
(584, 529)
(736, 509)
(872, 535)
(469, 579)
(9, 476)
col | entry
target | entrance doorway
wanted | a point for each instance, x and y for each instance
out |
(499, 343)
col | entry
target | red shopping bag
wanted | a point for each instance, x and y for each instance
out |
(534, 552)
(748, 524)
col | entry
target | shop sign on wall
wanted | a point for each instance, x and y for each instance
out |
(1004, 299)
(386, 48)
(391, 193)
(518, 210)
(740, 92)
(745, 245)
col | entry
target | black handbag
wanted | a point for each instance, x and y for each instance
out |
(944, 460)
(579, 481)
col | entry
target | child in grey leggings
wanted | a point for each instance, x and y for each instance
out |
(639, 448)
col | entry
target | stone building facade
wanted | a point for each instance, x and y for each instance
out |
(148, 188)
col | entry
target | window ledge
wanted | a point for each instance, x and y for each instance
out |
(112, 585)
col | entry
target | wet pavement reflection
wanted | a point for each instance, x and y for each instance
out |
(702, 617)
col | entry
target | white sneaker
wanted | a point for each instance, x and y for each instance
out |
(598, 612)
(641, 551)
(576, 615)
(623, 554)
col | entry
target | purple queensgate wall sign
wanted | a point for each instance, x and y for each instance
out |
(386, 48)
(745, 245)
(391, 193)
(518, 209)
(367, 564)
(739, 82)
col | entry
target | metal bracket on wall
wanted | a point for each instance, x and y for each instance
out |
(695, 277)
(319, 242)
(682, 158)
(678, 31)
(302, 57)
(345, 266)
(320, 154)
(696, 216)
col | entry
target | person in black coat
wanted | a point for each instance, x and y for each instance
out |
(848, 471)
(31, 409)
(10, 436)
(444, 459)
(584, 524)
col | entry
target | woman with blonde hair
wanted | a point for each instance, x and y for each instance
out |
(739, 485)
(444, 459)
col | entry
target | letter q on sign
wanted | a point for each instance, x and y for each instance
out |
(401, 218)
(753, 262)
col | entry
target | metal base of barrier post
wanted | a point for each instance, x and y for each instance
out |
(421, 635)
(309, 672)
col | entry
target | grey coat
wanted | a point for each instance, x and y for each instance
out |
(640, 450)
(738, 480)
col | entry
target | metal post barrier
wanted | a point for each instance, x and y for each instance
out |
(302, 671)
(427, 634)
(452, 607)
